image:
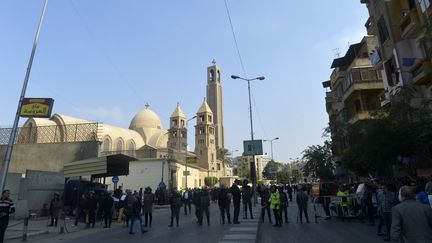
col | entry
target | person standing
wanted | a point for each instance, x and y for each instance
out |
(149, 199)
(274, 201)
(290, 192)
(7, 207)
(247, 199)
(106, 207)
(265, 206)
(205, 206)
(175, 205)
(411, 220)
(224, 201)
(196, 199)
(386, 208)
(235, 191)
(187, 198)
(54, 209)
(91, 208)
(302, 203)
(283, 204)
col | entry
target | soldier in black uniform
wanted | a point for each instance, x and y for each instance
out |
(205, 206)
(265, 205)
(236, 194)
(6, 207)
(106, 207)
(175, 205)
(196, 199)
(284, 204)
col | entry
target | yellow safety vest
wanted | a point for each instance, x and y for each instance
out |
(274, 200)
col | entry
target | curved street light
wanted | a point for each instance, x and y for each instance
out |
(252, 164)
(271, 145)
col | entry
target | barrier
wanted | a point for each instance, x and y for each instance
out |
(334, 206)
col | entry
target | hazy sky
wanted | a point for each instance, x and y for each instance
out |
(104, 60)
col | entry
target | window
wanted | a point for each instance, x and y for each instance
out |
(174, 122)
(382, 30)
(212, 157)
(106, 145)
(202, 118)
(209, 118)
(212, 74)
(211, 130)
(201, 131)
(218, 166)
(218, 76)
(119, 146)
(357, 106)
(182, 122)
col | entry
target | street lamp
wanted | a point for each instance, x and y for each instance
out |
(252, 164)
(186, 162)
(271, 145)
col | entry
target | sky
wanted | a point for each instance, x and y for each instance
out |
(104, 60)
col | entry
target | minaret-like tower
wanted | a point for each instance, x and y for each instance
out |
(214, 98)
(205, 147)
(177, 139)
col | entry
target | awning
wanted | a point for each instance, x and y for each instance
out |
(111, 165)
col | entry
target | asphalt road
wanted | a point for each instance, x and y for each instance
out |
(325, 231)
(187, 232)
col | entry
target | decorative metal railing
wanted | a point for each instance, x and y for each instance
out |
(52, 134)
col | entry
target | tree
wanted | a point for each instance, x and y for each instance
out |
(268, 170)
(225, 156)
(318, 161)
(284, 177)
(210, 181)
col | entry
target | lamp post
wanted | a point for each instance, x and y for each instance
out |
(186, 162)
(252, 164)
(8, 156)
(271, 145)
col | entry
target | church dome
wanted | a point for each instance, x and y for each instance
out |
(146, 119)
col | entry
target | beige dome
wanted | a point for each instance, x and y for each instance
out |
(146, 119)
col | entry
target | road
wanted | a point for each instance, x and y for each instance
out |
(325, 231)
(187, 232)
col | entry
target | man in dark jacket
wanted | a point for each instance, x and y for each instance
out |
(205, 206)
(290, 192)
(247, 199)
(236, 194)
(302, 203)
(187, 199)
(106, 206)
(54, 209)
(175, 205)
(196, 199)
(91, 209)
(224, 201)
(265, 206)
(284, 204)
(411, 220)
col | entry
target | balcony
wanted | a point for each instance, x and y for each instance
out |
(384, 97)
(336, 76)
(366, 115)
(409, 24)
(421, 72)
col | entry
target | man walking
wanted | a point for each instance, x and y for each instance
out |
(224, 201)
(54, 209)
(6, 207)
(187, 198)
(411, 220)
(235, 191)
(302, 203)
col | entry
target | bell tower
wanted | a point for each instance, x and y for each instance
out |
(214, 98)
(177, 139)
(205, 147)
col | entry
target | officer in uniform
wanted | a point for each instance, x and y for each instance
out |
(6, 207)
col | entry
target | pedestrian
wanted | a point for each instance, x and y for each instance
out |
(283, 204)
(302, 204)
(91, 209)
(368, 204)
(106, 207)
(236, 194)
(290, 192)
(265, 206)
(224, 201)
(187, 198)
(274, 201)
(205, 206)
(81, 209)
(196, 199)
(7, 207)
(149, 199)
(390, 200)
(411, 220)
(247, 199)
(135, 211)
(54, 209)
(175, 205)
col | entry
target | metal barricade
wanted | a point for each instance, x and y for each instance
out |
(334, 206)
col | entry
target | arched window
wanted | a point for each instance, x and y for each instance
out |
(106, 145)
(218, 76)
(212, 75)
(119, 145)
(131, 148)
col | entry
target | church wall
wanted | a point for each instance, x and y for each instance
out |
(143, 173)
(48, 156)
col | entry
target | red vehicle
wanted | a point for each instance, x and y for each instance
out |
(324, 188)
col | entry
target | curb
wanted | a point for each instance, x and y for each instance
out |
(41, 232)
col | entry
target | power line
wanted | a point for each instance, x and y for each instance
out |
(235, 39)
(104, 53)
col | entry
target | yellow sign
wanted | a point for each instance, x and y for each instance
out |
(36, 107)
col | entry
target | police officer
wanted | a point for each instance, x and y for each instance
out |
(175, 205)
(224, 201)
(247, 198)
(284, 204)
(275, 205)
(6, 207)
(196, 199)
(205, 205)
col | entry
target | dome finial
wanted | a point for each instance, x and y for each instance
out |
(214, 62)
(147, 105)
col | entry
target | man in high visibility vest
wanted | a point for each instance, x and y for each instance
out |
(275, 202)
(343, 193)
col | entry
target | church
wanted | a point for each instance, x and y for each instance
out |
(157, 155)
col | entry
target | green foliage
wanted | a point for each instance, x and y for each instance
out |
(318, 161)
(210, 181)
(267, 170)
(284, 177)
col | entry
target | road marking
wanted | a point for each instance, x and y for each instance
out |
(240, 237)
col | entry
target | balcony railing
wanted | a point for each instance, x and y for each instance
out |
(366, 115)
(408, 24)
(421, 73)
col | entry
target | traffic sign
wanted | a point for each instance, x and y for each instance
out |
(252, 147)
(115, 179)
